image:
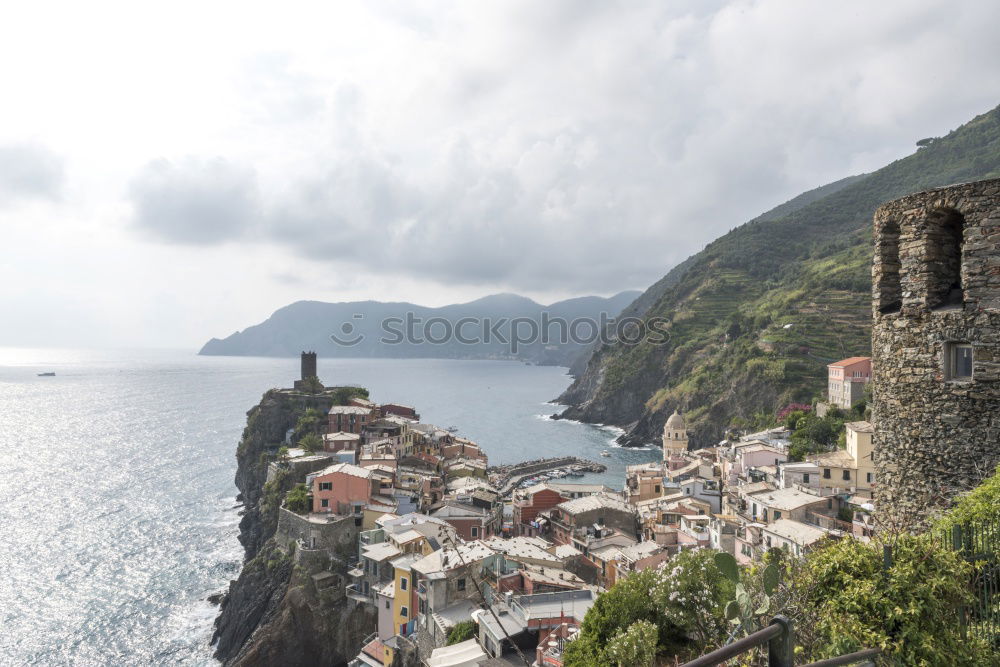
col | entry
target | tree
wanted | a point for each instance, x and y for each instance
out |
(310, 421)
(461, 632)
(628, 602)
(635, 646)
(311, 442)
(297, 500)
(311, 385)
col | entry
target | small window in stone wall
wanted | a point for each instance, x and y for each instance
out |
(958, 358)
(945, 229)
(890, 294)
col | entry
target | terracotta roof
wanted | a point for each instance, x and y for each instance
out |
(848, 361)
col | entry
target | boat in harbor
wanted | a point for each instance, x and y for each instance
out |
(47, 375)
(605, 453)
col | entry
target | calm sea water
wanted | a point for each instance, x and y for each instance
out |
(116, 483)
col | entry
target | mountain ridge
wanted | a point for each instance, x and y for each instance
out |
(758, 313)
(309, 325)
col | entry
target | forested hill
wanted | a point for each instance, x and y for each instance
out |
(756, 316)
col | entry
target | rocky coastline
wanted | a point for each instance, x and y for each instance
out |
(276, 612)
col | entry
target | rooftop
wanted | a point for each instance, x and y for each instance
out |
(800, 533)
(348, 410)
(848, 362)
(787, 499)
(595, 502)
(521, 547)
(341, 435)
(346, 469)
(840, 458)
(860, 427)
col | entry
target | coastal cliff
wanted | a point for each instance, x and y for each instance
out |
(281, 609)
(756, 316)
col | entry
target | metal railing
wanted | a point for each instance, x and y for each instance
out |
(779, 638)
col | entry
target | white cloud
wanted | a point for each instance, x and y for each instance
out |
(434, 150)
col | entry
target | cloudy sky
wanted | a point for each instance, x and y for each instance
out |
(174, 172)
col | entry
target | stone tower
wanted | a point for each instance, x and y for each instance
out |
(935, 347)
(308, 365)
(675, 436)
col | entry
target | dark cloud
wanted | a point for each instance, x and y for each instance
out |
(196, 202)
(29, 171)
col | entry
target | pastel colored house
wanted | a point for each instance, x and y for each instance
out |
(846, 380)
(343, 488)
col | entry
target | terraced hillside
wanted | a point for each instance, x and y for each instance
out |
(756, 316)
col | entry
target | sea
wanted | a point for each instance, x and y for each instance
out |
(117, 501)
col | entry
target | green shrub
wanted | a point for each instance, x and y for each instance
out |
(908, 610)
(461, 632)
(297, 500)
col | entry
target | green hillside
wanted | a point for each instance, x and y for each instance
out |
(756, 316)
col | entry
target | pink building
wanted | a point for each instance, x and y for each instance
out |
(343, 488)
(847, 379)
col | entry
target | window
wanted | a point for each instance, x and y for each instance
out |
(460, 584)
(404, 612)
(847, 475)
(869, 477)
(777, 515)
(656, 489)
(805, 478)
(958, 362)
(890, 294)
(387, 605)
(826, 473)
(325, 502)
(945, 232)
(402, 583)
(326, 486)
(475, 531)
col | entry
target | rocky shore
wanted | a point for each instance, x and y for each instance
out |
(275, 612)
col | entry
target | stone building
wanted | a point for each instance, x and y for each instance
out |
(936, 347)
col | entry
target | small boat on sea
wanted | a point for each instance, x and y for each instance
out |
(47, 375)
(452, 429)
(605, 453)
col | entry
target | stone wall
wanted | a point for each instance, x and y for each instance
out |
(338, 537)
(936, 282)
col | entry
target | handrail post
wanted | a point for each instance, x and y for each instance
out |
(781, 649)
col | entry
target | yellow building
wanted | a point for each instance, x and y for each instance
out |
(404, 601)
(848, 470)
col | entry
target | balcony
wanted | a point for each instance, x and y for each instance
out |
(356, 593)
(357, 571)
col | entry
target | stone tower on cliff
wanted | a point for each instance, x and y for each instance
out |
(308, 366)
(675, 436)
(935, 347)
(308, 379)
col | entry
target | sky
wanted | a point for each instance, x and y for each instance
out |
(170, 172)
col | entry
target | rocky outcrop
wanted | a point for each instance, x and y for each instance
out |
(275, 612)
